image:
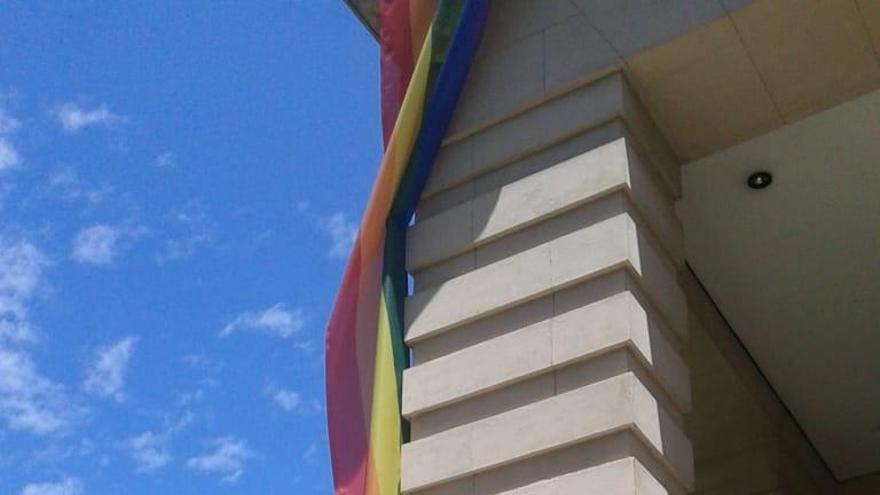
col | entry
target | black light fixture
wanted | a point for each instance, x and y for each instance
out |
(759, 180)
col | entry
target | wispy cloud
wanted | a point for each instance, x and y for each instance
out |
(61, 449)
(96, 245)
(106, 376)
(165, 159)
(150, 450)
(195, 230)
(101, 244)
(201, 362)
(8, 124)
(21, 274)
(342, 233)
(227, 459)
(9, 156)
(68, 486)
(65, 184)
(278, 320)
(29, 401)
(74, 117)
(310, 454)
(286, 399)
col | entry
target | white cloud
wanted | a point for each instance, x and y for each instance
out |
(106, 376)
(195, 228)
(65, 183)
(101, 244)
(68, 486)
(8, 125)
(166, 159)
(28, 401)
(21, 274)
(201, 362)
(96, 245)
(61, 449)
(74, 117)
(9, 156)
(286, 399)
(342, 232)
(150, 450)
(310, 454)
(277, 320)
(226, 460)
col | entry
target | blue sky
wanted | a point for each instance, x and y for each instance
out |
(179, 186)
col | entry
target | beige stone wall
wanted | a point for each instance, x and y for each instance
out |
(552, 339)
(560, 343)
(547, 323)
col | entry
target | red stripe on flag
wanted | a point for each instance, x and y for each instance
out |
(397, 59)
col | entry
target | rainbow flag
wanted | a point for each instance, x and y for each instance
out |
(427, 49)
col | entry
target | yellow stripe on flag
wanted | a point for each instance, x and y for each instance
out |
(400, 145)
(385, 428)
(385, 432)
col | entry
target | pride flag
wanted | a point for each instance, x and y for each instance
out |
(427, 48)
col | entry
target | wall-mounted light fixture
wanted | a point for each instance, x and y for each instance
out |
(759, 180)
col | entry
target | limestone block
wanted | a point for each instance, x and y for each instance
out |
(578, 144)
(621, 477)
(621, 320)
(573, 182)
(586, 253)
(478, 293)
(500, 83)
(479, 368)
(512, 20)
(430, 206)
(601, 464)
(453, 163)
(576, 335)
(541, 126)
(438, 273)
(483, 406)
(574, 52)
(578, 416)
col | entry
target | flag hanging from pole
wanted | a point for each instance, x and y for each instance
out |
(427, 47)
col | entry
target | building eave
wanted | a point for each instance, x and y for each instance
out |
(368, 13)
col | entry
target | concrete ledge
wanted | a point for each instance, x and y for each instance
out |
(574, 417)
(569, 184)
(605, 460)
(576, 335)
(622, 477)
(562, 262)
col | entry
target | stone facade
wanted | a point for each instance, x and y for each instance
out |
(548, 324)
(560, 342)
